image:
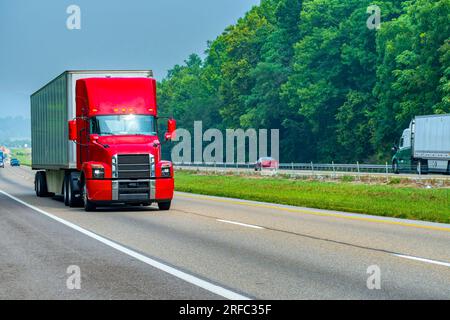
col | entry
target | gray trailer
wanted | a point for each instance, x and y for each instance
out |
(425, 145)
(52, 107)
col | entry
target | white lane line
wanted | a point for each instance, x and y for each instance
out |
(228, 294)
(240, 224)
(441, 263)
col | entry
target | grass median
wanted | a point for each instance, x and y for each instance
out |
(376, 199)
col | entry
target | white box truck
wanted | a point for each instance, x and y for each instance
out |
(425, 146)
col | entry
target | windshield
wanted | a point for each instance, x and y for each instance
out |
(123, 125)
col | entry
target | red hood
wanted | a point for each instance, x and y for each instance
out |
(130, 144)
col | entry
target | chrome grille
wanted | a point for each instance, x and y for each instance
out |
(135, 166)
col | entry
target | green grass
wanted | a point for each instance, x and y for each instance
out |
(23, 155)
(383, 200)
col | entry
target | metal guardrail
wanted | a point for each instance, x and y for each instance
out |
(320, 171)
(331, 167)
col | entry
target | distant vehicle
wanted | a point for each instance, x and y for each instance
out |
(2, 159)
(266, 163)
(425, 146)
(14, 162)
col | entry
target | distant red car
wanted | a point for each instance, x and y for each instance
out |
(266, 163)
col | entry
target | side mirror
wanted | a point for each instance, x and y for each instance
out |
(394, 149)
(73, 130)
(171, 128)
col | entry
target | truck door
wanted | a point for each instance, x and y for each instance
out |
(83, 138)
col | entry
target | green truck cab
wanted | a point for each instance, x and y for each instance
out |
(402, 161)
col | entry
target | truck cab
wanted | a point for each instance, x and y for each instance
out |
(118, 150)
(97, 144)
(402, 159)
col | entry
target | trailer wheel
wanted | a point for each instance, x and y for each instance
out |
(88, 205)
(164, 206)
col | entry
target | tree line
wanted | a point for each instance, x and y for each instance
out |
(336, 89)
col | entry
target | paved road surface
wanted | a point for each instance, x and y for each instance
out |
(212, 248)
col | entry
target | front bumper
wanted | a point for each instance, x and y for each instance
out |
(131, 191)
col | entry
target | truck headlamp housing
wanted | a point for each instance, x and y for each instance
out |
(114, 167)
(98, 172)
(165, 171)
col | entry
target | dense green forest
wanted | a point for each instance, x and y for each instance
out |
(336, 89)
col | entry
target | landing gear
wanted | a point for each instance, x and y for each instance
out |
(422, 167)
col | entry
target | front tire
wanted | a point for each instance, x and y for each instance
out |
(395, 167)
(164, 206)
(88, 205)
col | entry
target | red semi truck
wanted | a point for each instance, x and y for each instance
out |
(94, 137)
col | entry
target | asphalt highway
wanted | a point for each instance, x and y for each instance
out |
(212, 248)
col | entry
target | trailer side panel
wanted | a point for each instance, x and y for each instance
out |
(49, 130)
(432, 137)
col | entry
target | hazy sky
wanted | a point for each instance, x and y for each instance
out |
(36, 46)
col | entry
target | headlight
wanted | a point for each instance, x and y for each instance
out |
(165, 171)
(98, 172)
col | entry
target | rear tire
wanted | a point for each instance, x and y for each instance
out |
(66, 190)
(40, 184)
(73, 191)
(164, 206)
(88, 205)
